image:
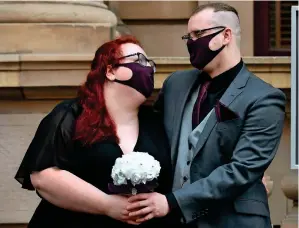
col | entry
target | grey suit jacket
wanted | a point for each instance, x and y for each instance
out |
(230, 156)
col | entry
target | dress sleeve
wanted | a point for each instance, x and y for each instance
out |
(51, 146)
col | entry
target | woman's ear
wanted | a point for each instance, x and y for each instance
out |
(110, 73)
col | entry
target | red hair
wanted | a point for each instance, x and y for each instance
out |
(95, 124)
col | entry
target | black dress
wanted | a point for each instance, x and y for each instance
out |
(52, 146)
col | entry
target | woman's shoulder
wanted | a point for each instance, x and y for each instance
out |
(64, 113)
(150, 117)
(70, 106)
(147, 112)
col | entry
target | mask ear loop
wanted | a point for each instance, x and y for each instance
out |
(215, 34)
(115, 66)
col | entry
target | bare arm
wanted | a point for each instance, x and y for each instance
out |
(68, 191)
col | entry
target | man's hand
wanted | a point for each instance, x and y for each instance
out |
(147, 206)
(264, 180)
(117, 209)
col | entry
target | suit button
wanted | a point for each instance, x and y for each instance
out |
(185, 178)
(188, 162)
(195, 215)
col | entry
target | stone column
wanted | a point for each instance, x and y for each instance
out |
(54, 26)
(289, 185)
(121, 28)
(42, 34)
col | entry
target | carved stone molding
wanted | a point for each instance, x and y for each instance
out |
(289, 186)
(34, 70)
(54, 26)
(56, 12)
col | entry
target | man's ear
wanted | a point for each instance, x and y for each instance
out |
(110, 73)
(227, 36)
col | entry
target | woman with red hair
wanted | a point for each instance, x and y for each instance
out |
(70, 158)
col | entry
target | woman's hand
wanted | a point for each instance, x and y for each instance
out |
(116, 208)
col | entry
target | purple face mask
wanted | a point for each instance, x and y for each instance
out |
(200, 53)
(142, 79)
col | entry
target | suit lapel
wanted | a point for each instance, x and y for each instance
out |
(236, 87)
(234, 90)
(185, 89)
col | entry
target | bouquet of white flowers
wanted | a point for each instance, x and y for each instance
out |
(133, 173)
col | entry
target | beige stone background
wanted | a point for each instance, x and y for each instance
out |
(165, 22)
(45, 51)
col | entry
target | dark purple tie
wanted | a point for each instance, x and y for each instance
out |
(202, 95)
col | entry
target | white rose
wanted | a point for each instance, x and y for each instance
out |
(138, 167)
(136, 178)
(120, 179)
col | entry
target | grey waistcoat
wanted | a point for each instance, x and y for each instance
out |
(187, 137)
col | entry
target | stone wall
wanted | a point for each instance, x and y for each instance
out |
(165, 22)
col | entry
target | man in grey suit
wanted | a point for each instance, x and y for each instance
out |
(224, 125)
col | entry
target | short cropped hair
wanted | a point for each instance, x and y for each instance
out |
(217, 7)
(225, 15)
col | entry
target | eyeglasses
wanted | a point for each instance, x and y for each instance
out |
(199, 33)
(142, 60)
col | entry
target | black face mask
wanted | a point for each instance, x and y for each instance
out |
(200, 53)
(142, 79)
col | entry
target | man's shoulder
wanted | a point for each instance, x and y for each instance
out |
(182, 75)
(260, 88)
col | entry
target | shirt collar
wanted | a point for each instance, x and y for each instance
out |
(223, 80)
